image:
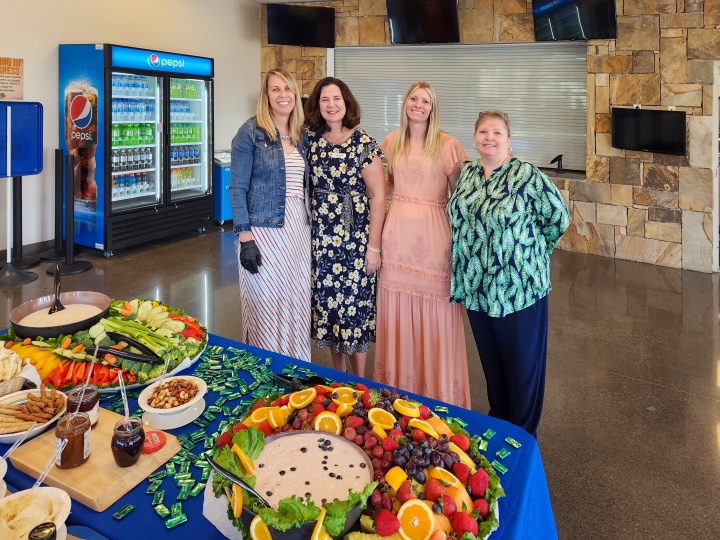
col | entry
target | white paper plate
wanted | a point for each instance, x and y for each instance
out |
(144, 398)
(45, 492)
(172, 421)
(186, 363)
(19, 398)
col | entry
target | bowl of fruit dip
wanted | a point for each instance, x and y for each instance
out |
(303, 475)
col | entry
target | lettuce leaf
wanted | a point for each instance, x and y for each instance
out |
(291, 512)
(337, 510)
(227, 459)
(251, 441)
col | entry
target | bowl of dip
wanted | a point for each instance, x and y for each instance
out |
(311, 464)
(82, 310)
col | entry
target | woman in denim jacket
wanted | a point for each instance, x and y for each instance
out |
(270, 205)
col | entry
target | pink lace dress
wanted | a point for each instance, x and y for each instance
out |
(420, 343)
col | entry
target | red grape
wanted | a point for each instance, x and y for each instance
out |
(350, 434)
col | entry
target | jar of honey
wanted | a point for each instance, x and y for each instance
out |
(89, 403)
(75, 427)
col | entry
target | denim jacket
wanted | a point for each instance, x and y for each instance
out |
(257, 179)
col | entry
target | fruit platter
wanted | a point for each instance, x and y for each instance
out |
(138, 338)
(428, 478)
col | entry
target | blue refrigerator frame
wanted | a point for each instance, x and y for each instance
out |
(95, 225)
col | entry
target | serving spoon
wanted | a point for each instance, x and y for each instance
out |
(235, 479)
(57, 305)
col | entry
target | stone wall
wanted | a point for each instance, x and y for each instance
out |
(639, 206)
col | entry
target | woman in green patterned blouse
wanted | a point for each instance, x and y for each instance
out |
(506, 217)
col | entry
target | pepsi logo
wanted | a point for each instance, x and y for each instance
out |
(81, 111)
(154, 60)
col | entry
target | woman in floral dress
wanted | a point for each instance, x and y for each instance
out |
(348, 209)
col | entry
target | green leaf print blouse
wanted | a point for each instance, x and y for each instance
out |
(503, 231)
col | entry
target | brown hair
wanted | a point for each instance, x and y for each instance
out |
(264, 115)
(493, 113)
(315, 120)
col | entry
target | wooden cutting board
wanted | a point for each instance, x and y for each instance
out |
(99, 482)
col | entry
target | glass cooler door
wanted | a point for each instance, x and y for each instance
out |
(137, 152)
(189, 138)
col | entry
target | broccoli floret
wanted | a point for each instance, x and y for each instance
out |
(105, 342)
(142, 377)
(83, 337)
(155, 372)
(145, 368)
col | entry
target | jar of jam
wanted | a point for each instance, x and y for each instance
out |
(89, 404)
(127, 442)
(75, 427)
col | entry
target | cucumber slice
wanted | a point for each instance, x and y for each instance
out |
(81, 357)
(174, 325)
(96, 330)
(144, 310)
(42, 344)
(60, 353)
(165, 332)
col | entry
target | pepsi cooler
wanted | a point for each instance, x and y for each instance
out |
(140, 126)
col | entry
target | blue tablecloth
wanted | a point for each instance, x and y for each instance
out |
(525, 513)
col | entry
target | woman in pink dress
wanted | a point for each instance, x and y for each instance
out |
(420, 335)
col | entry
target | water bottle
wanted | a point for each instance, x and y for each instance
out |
(115, 83)
(173, 179)
(151, 182)
(123, 160)
(150, 110)
(130, 178)
(144, 87)
(173, 155)
(124, 87)
(115, 160)
(149, 158)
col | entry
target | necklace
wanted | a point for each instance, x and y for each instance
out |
(285, 137)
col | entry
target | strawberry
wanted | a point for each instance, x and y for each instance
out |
(389, 444)
(265, 428)
(462, 471)
(482, 506)
(335, 385)
(405, 492)
(387, 523)
(319, 399)
(434, 490)
(395, 433)
(461, 441)
(478, 482)
(261, 402)
(360, 386)
(285, 399)
(317, 409)
(418, 435)
(332, 407)
(365, 398)
(424, 412)
(449, 506)
(438, 535)
(277, 402)
(354, 422)
(224, 440)
(240, 426)
(463, 522)
(321, 391)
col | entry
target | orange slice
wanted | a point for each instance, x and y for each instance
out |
(344, 409)
(462, 500)
(259, 530)
(237, 500)
(277, 417)
(258, 416)
(380, 417)
(423, 426)
(408, 408)
(303, 398)
(445, 476)
(345, 394)
(416, 520)
(329, 422)
(379, 432)
(395, 477)
(245, 461)
(319, 531)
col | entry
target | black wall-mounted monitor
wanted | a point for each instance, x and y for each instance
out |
(302, 26)
(647, 130)
(562, 20)
(423, 21)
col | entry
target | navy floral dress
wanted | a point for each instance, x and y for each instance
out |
(343, 294)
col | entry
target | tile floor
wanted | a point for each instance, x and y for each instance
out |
(630, 435)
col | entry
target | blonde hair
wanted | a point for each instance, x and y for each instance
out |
(433, 135)
(493, 113)
(264, 114)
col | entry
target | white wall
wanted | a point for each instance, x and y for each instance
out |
(226, 30)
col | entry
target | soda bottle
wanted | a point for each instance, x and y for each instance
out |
(173, 155)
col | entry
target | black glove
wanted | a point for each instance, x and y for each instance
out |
(250, 256)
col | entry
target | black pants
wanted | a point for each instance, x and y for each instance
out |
(513, 352)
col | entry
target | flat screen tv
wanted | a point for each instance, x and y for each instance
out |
(562, 20)
(423, 21)
(649, 131)
(302, 26)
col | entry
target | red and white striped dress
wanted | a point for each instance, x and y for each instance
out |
(276, 300)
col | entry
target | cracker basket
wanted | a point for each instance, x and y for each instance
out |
(11, 385)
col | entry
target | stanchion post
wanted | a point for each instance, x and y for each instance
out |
(17, 251)
(57, 253)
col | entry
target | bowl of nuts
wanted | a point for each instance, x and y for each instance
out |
(172, 395)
